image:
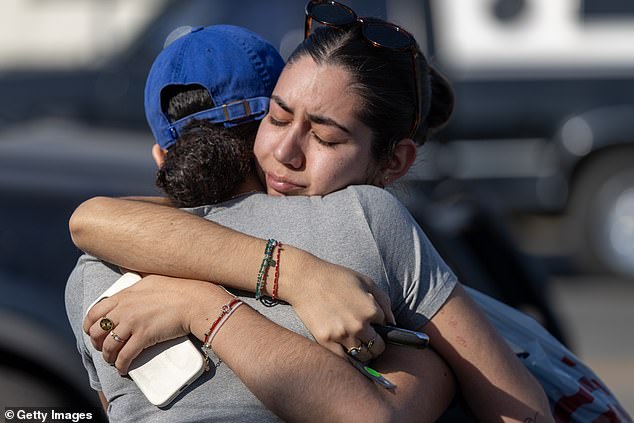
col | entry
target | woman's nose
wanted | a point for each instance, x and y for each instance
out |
(289, 150)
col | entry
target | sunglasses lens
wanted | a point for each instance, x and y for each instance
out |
(387, 36)
(332, 14)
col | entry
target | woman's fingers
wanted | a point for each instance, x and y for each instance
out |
(98, 312)
(114, 342)
(121, 350)
(121, 347)
(359, 351)
(365, 348)
(375, 345)
(98, 335)
(383, 301)
(131, 350)
(98, 328)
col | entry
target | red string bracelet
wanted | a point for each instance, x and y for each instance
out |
(225, 311)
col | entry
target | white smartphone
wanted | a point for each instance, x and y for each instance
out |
(164, 370)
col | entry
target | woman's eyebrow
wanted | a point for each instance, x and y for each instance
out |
(318, 119)
(322, 120)
(282, 104)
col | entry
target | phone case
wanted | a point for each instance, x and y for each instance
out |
(399, 336)
(162, 371)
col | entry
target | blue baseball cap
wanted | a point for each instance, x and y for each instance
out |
(238, 68)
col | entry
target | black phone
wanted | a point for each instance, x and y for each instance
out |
(399, 336)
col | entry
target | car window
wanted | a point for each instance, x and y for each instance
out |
(601, 9)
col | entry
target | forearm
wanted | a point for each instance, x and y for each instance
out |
(154, 238)
(295, 378)
(301, 381)
(151, 200)
(495, 384)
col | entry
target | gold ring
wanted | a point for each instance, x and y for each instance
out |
(106, 324)
(354, 351)
(118, 338)
(360, 353)
(370, 344)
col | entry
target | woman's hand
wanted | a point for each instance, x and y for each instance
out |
(155, 309)
(337, 305)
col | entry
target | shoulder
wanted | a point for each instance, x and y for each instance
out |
(379, 205)
(376, 197)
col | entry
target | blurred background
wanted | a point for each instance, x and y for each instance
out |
(528, 192)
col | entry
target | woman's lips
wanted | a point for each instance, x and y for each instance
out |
(280, 184)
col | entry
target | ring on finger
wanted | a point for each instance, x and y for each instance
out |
(361, 352)
(118, 338)
(354, 351)
(368, 345)
(106, 324)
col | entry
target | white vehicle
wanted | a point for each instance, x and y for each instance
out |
(544, 116)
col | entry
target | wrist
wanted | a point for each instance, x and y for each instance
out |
(295, 270)
(202, 314)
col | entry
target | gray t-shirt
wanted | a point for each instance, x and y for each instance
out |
(362, 227)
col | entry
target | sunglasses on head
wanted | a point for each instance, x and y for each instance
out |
(377, 32)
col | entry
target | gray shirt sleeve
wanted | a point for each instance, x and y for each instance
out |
(419, 280)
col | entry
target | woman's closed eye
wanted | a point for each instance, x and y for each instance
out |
(322, 141)
(277, 122)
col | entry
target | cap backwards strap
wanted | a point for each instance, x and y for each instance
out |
(229, 114)
(236, 66)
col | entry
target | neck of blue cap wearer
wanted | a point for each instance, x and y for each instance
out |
(250, 185)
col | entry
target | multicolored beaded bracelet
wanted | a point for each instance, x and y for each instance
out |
(272, 300)
(267, 262)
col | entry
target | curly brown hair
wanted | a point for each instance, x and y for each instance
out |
(208, 161)
(206, 164)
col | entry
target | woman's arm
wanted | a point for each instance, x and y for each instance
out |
(495, 384)
(153, 238)
(491, 378)
(294, 377)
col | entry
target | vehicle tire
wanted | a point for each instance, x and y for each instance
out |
(602, 211)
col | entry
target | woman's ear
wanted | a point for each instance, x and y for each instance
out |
(397, 165)
(158, 154)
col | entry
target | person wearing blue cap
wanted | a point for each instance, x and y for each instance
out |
(299, 389)
(223, 84)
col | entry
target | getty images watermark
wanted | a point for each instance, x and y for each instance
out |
(48, 414)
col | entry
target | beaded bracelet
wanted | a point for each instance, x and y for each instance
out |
(267, 262)
(225, 312)
(273, 300)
